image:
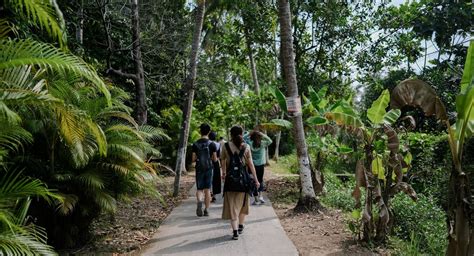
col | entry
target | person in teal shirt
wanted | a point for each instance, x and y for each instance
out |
(258, 142)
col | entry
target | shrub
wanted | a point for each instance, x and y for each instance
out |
(289, 164)
(338, 194)
(424, 218)
(428, 173)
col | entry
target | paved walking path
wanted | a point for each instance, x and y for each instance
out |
(183, 233)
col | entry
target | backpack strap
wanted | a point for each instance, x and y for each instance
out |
(242, 152)
(227, 147)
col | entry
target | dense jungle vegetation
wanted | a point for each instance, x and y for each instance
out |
(98, 98)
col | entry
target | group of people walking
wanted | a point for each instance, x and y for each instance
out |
(239, 163)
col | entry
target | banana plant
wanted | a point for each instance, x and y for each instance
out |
(414, 92)
(314, 109)
(381, 166)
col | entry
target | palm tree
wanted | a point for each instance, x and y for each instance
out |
(307, 197)
(62, 124)
(189, 88)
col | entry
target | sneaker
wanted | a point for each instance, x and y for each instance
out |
(235, 236)
(205, 212)
(255, 202)
(241, 229)
(199, 209)
(261, 199)
(213, 199)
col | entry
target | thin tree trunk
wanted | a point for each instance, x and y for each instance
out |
(253, 68)
(140, 94)
(138, 77)
(317, 175)
(189, 86)
(80, 23)
(426, 54)
(276, 155)
(106, 26)
(307, 199)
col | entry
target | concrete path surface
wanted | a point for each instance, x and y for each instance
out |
(183, 233)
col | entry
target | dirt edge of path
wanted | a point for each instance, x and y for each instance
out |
(316, 233)
(135, 221)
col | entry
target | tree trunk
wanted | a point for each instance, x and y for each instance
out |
(80, 23)
(106, 25)
(277, 147)
(140, 95)
(253, 68)
(317, 175)
(276, 155)
(189, 86)
(307, 199)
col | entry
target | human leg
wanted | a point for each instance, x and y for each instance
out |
(199, 212)
(241, 223)
(207, 201)
(235, 232)
(260, 170)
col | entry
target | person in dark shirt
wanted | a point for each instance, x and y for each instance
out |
(204, 154)
(216, 176)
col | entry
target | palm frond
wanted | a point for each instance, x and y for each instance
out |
(74, 126)
(7, 115)
(153, 134)
(45, 14)
(66, 206)
(6, 28)
(125, 152)
(114, 167)
(115, 129)
(13, 186)
(15, 237)
(83, 152)
(92, 180)
(23, 244)
(108, 114)
(18, 53)
(13, 137)
(105, 201)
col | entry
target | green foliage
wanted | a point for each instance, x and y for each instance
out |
(44, 14)
(63, 126)
(20, 53)
(423, 218)
(377, 112)
(428, 168)
(338, 193)
(400, 247)
(288, 164)
(17, 235)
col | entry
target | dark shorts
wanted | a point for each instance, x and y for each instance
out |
(204, 180)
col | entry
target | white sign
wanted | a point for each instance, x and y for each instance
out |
(293, 105)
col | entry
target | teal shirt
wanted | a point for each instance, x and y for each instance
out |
(258, 154)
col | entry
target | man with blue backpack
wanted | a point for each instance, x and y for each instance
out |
(204, 154)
